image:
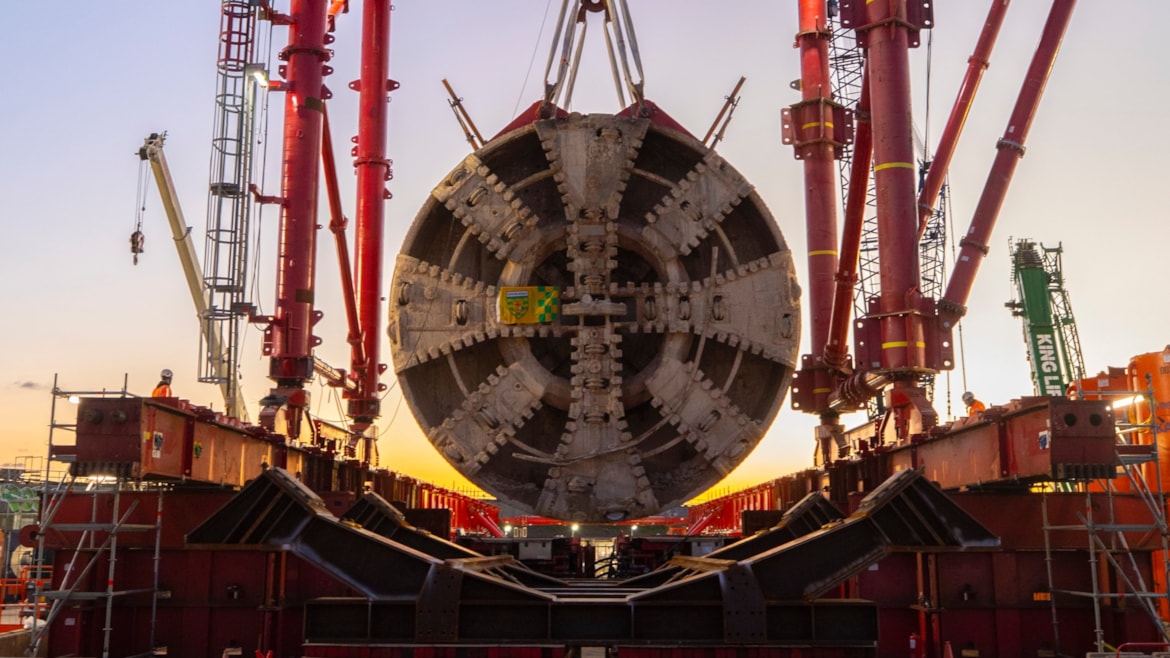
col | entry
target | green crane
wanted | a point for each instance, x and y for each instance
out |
(1050, 331)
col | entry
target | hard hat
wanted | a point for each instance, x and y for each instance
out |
(968, 396)
(166, 373)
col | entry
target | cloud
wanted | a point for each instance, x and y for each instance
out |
(31, 386)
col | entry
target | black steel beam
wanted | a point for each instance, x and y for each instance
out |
(409, 596)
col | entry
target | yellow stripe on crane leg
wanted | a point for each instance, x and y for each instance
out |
(814, 124)
(823, 252)
(901, 343)
(895, 165)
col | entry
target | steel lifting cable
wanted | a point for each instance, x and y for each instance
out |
(945, 206)
(613, 67)
(258, 226)
(137, 237)
(532, 59)
(567, 97)
(958, 325)
(568, 44)
(926, 118)
(551, 88)
(636, 88)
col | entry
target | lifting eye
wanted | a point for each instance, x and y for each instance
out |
(461, 312)
(404, 293)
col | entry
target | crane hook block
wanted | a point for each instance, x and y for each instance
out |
(137, 242)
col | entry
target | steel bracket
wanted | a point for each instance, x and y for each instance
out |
(816, 121)
(437, 612)
(919, 16)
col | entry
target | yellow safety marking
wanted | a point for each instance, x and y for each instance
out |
(895, 165)
(823, 252)
(901, 343)
(822, 390)
(813, 124)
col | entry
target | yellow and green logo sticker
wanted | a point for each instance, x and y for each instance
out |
(529, 304)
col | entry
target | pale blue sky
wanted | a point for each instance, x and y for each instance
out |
(90, 81)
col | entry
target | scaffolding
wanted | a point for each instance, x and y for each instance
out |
(97, 545)
(1107, 537)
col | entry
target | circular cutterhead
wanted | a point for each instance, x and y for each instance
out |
(594, 318)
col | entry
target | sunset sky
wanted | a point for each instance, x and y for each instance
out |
(87, 84)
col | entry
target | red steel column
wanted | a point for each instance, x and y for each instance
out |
(1011, 149)
(895, 180)
(836, 347)
(976, 65)
(292, 337)
(373, 170)
(820, 192)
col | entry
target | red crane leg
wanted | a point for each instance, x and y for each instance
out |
(1011, 149)
(818, 128)
(294, 317)
(837, 346)
(337, 225)
(373, 170)
(820, 177)
(895, 181)
(976, 65)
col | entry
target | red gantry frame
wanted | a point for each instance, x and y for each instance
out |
(275, 572)
(904, 335)
(289, 340)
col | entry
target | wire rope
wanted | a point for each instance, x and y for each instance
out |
(261, 174)
(926, 118)
(959, 325)
(136, 237)
(390, 423)
(532, 60)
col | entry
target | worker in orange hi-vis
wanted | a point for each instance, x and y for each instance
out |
(973, 405)
(163, 390)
